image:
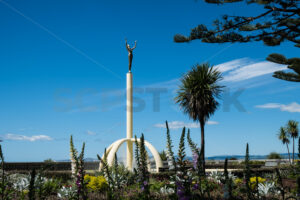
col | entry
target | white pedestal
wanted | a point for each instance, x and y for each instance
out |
(129, 120)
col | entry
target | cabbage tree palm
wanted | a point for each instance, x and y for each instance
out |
(197, 96)
(292, 129)
(285, 139)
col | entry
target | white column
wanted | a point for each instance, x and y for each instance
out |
(129, 120)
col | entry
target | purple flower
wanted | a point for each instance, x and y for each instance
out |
(196, 186)
(180, 193)
(179, 185)
(195, 159)
(184, 198)
(145, 183)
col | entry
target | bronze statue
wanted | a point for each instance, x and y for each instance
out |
(130, 55)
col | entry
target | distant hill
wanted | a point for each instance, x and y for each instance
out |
(86, 160)
(252, 157)
(221, 157)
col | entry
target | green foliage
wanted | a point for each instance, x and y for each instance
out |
(115, 172)
(46, 187)
(117, 176)
(106, 171)
(281, 187)
(3, 177)
(285, 139)
(183, 180)
(198, 92)
(137, 153)
(170, 153)
(196, 157)
(163, 155)
(181, 153)
(49, 160)
(247, 173)
(274, 155)
(299, 148)
(79, 169)
(5, 186)
(170, 157)
(143, 168)
(122, 176)
(283, 136)
(292, 63)
(197, 96)
(292, 128)
(192, 145)
(278, 22)
(31, 193)
(141, 171)
(155, 186)
(293, 131)
(227, 182)
(298, 186)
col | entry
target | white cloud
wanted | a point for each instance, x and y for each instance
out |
(245, 68)
(292, 107)
(90, 132)
(238, 70)
(181, 124)
(33, 138)
(212, 123)
(233, 64)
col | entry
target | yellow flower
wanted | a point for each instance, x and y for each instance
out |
(25, 192)
(94, 183)
(253, 182)
(87, 178)
(238, 181)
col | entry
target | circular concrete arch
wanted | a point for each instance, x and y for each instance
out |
(114, 147)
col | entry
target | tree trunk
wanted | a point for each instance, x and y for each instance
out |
(202, 124)
(287, 146)
(293, 150)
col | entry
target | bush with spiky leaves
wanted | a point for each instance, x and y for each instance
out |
(5, 185)
(227, 182)
(171, 159)
(137, 154)
(117, 176)
(298, 186)
(197, 163)
(247, 173)
(183, 179)
(298, 148)
(105, 170)
(170, 153)
(73, 153)
(31, 193)
(79, 169)
(142, 167)
(163, 155)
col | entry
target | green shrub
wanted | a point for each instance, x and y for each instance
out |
(274, 155)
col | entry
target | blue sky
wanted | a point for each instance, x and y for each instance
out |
(63, 69)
